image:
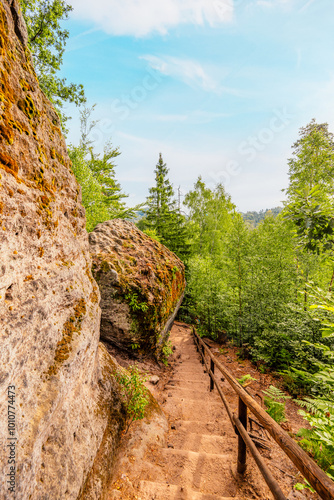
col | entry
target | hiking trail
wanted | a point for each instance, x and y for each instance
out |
(199, 461)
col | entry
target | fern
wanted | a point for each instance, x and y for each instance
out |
(319, 440)
(246, 380)
(275, 405)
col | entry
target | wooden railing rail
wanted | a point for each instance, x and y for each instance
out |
(309, 469)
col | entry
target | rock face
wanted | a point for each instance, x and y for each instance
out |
(66, 412)
(141, 284)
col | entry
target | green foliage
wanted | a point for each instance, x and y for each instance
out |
(246, 380)
(47, 42)
(102, 196)
(207, 293)
(134, 393)
(210, 213)
(306, 485)
(255, 218)
(310, 201)
(274, 401)
(319, 440)
(162, 217)
(281, 346)
(134, 303)
(251, 282)
(92, 196)
(297, 382)
(167, 351)
(151, 233)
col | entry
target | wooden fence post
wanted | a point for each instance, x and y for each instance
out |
(241, 444)
(212, 368)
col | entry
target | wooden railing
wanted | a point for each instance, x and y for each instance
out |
(309, 469)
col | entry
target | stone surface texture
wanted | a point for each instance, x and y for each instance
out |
(141, 284)
(67, 410)
(143, 436)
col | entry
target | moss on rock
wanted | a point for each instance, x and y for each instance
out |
(141, 283)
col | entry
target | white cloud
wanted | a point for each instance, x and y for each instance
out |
(186, 70)
(306, 5)
(189, 72)
(142, 17)
(273, 3)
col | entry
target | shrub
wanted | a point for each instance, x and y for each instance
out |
(167, 351)
(134, 393)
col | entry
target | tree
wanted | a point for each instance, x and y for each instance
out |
(102, 195)
(313, 158)
(208, 294)
(237, 251)
(310, 202)
(210, 215)
(92, 197)
(102, 167)
(47, 41)
(162, 215)
(160, 203)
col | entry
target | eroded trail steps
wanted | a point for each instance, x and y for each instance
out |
(200, 457)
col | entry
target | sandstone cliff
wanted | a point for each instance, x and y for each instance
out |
(67, 413)
(141, 284)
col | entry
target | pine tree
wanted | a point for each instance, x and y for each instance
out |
(163, 216)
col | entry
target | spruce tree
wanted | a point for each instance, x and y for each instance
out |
(163, 216)
(160, 202)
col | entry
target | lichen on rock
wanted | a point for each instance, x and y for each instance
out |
(49, 301)
(141, 284)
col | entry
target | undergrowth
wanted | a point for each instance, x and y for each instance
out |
(134, 394)
(275, 403)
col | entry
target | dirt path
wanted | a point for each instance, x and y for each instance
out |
(199, 461)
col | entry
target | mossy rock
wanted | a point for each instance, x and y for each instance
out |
(141, 284)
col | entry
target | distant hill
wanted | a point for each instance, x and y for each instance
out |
(254, 218)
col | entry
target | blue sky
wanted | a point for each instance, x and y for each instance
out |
(219, 87)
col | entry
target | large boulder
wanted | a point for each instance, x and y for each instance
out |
(61, 405)
(141, 284)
